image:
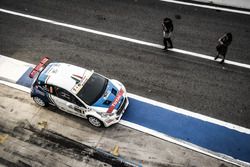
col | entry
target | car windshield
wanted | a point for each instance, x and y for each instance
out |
(93, 89)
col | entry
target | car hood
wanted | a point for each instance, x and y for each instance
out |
(111, 99)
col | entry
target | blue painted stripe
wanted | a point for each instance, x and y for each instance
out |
(204, 134)
(25, 80)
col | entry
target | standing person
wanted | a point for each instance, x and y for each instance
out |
(222, 46)
(167, 29)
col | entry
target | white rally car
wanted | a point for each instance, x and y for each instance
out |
(79, 91)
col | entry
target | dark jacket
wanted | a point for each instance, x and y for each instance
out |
(224, 42)
(167, 27)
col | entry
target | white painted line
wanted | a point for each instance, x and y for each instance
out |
(12, 69)
(191, 114)
(208, 7)
(81, 28)
(120, 37)
(210, 58)
(16, 86)
(188, 145)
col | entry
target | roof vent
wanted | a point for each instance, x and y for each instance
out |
(114, 91)
(106, 102)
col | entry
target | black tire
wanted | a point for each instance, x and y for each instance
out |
(39, 101)
(95, 121)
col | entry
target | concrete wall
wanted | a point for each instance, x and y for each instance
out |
(245, 4)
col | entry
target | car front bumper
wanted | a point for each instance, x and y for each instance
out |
(115, 118)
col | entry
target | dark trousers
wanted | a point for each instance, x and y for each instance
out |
(222, 51)
(166, 41)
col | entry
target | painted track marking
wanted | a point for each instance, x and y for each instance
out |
(120, 37)
(191, 114)
(208, 7)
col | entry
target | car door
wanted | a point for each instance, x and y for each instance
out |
(67, 102)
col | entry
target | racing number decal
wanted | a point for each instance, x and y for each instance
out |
(117, 99)
(76, 108)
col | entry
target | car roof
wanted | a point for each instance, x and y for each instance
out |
(63, 75)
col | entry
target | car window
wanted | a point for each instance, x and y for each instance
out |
(65, 95)
(50, 89)
(42, 87)
(77, 102)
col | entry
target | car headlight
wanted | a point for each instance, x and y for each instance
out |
(105, 114)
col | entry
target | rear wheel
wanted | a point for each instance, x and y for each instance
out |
(94, 121)
(39, 101)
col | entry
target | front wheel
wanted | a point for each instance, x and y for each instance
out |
(94, 121)
(39, 101)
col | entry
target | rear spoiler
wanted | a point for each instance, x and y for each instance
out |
(38, 67)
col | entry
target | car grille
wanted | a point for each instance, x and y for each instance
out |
(121, 107)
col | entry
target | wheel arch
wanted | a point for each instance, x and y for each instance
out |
(92, 115)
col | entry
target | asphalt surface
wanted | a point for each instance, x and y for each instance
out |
(202, 86)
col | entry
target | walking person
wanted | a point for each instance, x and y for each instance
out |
(167, 29)
(223, 43)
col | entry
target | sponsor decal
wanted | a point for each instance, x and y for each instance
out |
(82, 81)
(77, 78)
(116, 101)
